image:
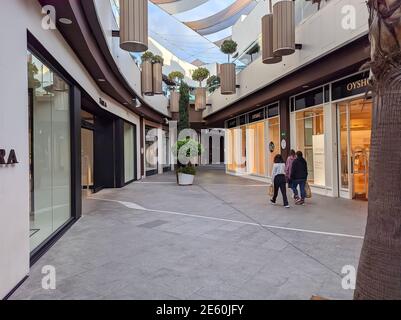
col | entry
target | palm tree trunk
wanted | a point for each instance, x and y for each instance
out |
(379, 272)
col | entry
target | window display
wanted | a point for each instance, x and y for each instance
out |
(310, 140)
(50, 151)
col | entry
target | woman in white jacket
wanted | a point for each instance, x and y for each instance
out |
(279, 180)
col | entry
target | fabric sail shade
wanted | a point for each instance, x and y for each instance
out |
(174, 101)
(147, 78)
(284, 28)
(267, 41)
(228, 78)
(157, 78)
(200, 99)
(134, 25)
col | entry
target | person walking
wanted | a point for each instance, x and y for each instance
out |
(279, 181)
(288, 167)
(299, 177)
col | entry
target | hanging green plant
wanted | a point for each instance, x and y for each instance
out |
(229, 47)
(254, 50)
(200, 75)
(147, 56)
(158, 59)
(183, 122)
(213, 83)
(176, 76)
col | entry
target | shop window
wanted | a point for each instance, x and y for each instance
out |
(310, 140)
(257, 150)
(129, 152)
(50, 151)
(151, 153)
(273, 142)
(236, 149)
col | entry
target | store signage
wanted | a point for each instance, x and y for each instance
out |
(257, 115)
(272, 147)
(283, 144)
(9, 159)
(102, 103)
(232, 123)
(351, 86)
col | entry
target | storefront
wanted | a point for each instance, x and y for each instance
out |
(354, 123)
(331, 125)
(253, 140)
(53, 200)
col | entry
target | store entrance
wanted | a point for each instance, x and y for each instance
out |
(355, 126)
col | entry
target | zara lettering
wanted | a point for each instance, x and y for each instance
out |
(11, 159)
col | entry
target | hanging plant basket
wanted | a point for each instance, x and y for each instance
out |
(200, 99)
(134, 25)
(267, 41)
(147, 78)
(284, 28)
(228, 79)
(174, 101)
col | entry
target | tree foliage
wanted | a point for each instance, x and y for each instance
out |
(213, 83)
(158, 59)
(147, 56)
(200, 75)
(229, 47)
(183, 122)
(176, 76)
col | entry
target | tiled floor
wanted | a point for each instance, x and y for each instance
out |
(218, 239)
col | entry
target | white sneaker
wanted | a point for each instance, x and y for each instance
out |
(287, 207)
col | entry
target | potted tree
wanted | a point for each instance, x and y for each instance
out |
(227, 70)
(176, 77)
(147, 73)
(200, 75)
(186, 152)
(157, 74)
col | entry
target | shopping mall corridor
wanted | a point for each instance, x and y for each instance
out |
(218, 239)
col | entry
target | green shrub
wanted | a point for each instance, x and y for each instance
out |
(187, 170)
(176, 76)
(213, 83)
(200, 75)
(229, 47)
(147, 56)
(183, 122)
(158, 59)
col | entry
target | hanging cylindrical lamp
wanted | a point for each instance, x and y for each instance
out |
(174, 101)
(147, 78)
(134, 25)
(228, 78)
(59, 84)
(158, 74)
(267, 41)
(200, 99)
(284, 28)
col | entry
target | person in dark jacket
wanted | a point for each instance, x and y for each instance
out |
(299, 176)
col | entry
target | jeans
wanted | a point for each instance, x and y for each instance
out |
(301, 183)
(280, 183)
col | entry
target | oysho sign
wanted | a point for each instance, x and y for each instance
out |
(357, 84)
(350, 86)
(8, 159)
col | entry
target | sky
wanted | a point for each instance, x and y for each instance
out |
(182, 41)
